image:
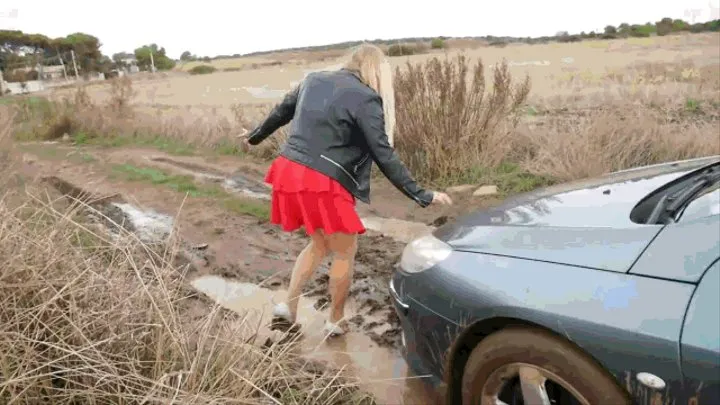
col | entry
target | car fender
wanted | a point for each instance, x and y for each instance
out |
(628, 323)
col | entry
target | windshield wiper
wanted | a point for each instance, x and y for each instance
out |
(670, 205)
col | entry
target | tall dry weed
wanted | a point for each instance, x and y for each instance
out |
(87, 319)
(448, 120)
(8, 155)
(121, 94)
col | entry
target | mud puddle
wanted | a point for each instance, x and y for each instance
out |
(120, 219)
(378, 252)
(383, 372)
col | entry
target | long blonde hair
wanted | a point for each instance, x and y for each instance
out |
(370, 63)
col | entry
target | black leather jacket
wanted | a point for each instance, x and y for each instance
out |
(337, 126)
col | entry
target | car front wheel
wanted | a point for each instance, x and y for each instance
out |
(532, 367)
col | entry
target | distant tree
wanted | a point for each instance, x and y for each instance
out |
(680, 25)
(697, 27)
(664, 26)
(162, 62)
(86, 47)
(36, 47)
(610, 30)
(624, 29)
(12, 41)
(642, 30)
(187, 56)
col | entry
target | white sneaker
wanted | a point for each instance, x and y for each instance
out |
(282, 311)
(333, 329)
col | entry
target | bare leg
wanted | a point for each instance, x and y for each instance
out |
(344, 247)
(308, 260)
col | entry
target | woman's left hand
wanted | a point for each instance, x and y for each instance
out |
(244, 137)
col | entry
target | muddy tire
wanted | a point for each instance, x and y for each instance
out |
(530, 350)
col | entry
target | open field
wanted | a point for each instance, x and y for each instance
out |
(160, 152)
(555, 70)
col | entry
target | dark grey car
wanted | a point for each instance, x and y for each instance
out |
(597, 292)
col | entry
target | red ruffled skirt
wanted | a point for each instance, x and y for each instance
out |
(305, 197)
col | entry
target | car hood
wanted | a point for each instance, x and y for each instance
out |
(585, 223)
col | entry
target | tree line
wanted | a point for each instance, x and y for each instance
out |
(21, 53)
(19, 50)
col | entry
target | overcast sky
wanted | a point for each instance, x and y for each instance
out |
(212, 27)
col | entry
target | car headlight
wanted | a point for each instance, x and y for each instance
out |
(423, 253)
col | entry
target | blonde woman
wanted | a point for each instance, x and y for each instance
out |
(342, 121)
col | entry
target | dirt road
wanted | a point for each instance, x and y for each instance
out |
(216, 205)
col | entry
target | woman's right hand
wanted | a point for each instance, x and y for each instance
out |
(441, 198)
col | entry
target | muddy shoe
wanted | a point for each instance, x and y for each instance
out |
(282, 319)
(284, 325)
(333, 329)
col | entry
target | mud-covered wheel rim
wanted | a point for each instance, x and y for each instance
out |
(532, 383)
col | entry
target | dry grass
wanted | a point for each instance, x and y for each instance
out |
(446, 123)
(462, 120)
(451, 129)
(90, 319)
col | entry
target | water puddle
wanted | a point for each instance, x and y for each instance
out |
(383, 372)
(238, 183)
(149, 226)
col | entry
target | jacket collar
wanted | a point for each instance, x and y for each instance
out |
(352, 72)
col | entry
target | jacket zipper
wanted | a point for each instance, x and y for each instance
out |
(341, 168)
(361, 162)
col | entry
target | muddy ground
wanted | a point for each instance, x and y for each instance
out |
(225, 243)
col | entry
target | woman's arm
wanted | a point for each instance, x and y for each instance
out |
(370, 118)
(278, 117)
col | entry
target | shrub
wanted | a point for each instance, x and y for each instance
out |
(202, 70)
(447, 124)
(498, 44)
(406, 49)
(437, 43)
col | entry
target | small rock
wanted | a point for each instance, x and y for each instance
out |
(485, 191)
(464, 188)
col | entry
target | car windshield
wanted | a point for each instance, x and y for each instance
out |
(669, 202)
(705, 204)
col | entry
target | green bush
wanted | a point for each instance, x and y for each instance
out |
(202, 70)
(437, 43)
